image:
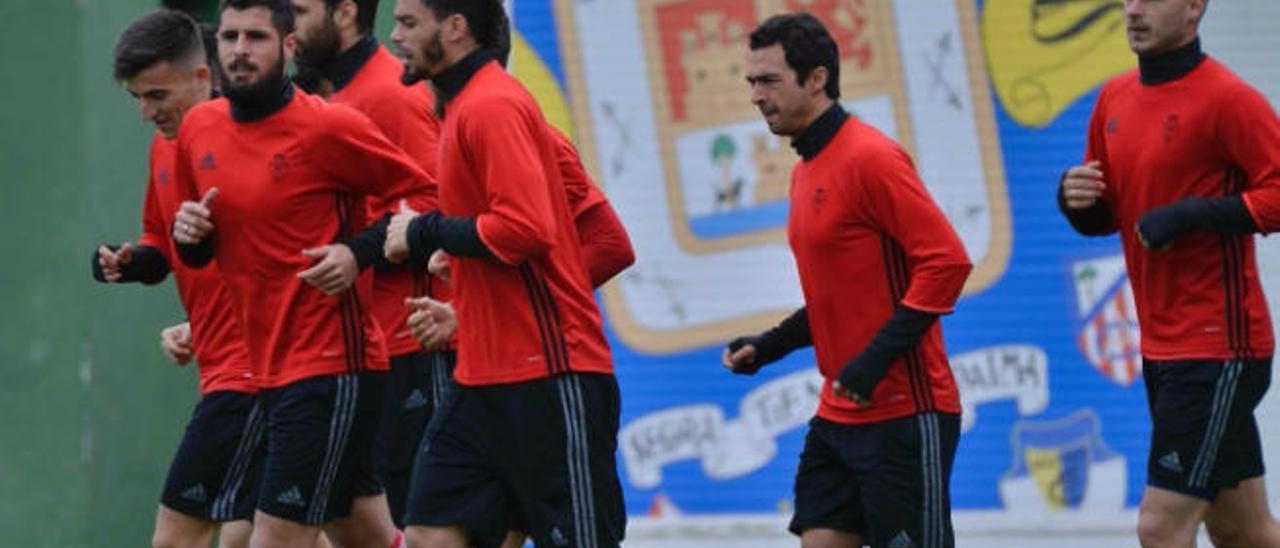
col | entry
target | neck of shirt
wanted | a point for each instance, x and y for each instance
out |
(450, 81)
(814, 138)
(1167, 67)
(243, 113)
(344, 66)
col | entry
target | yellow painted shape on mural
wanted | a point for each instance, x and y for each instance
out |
(529, 68)
(1044, 54)
(1045, 467)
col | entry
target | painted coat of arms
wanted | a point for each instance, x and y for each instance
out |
(1107, 322)
(695, 174)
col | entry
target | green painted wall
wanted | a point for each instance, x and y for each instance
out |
(89, 409)
(138, 401)
(42, 326)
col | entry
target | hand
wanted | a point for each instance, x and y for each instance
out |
(334, 272)
(438, 265)
(1158, 228)
(840, 391)
(396, 247)
(432, 322)
(1083, 185)
(740, 356)
(194, 221)
(113, 261)
(175, 340)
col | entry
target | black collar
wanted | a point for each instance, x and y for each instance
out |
(814, 138)
(253, 113)
(1171, 66)
(345, 65)
(451, 80)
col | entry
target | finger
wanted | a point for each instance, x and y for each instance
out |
(1081, 185)
(322, 251)
(312, 275)
(334, 284)
(744, 355)
(330, 279)
(1095, 164)
(207, 199)
(192, 224)
(1081, 195)
(106, 258)
(200, 226)
(1085, 172)
(416, 318)
(726, 359)
(125, 254)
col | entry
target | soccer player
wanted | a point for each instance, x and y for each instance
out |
(289, 173)
(337, 49)
(606, 248)
(161, 60)
(1182, 158)
(878, 263)
(533, 364)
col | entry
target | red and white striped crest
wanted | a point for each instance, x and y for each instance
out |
(1108, 332)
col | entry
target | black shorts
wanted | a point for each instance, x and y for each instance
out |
(214, 475)
(888, 481)
(418, 383)
(1204, 437)
(320, 446)
(536, 456)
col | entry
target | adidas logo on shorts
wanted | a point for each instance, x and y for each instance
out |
(415, 400)
(1171, 462)
(292, 497)
(195, 493)
(903, 540)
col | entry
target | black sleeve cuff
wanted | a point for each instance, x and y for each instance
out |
(1224, 215)
(367, 244)
(776, 343)
(148, 266)
(898, 335)
(457, 236)
(1091, 221)
(197, 255)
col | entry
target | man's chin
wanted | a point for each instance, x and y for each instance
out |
(411, 76)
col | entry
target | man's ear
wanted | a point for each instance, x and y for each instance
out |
(454, 27)
(345, 14)
(289, 44)
(817, 80)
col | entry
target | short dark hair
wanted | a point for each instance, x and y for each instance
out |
(806, 43)
(159, 35)
(281, 12)
(500, 38)
(366, 13)
(485, 18)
